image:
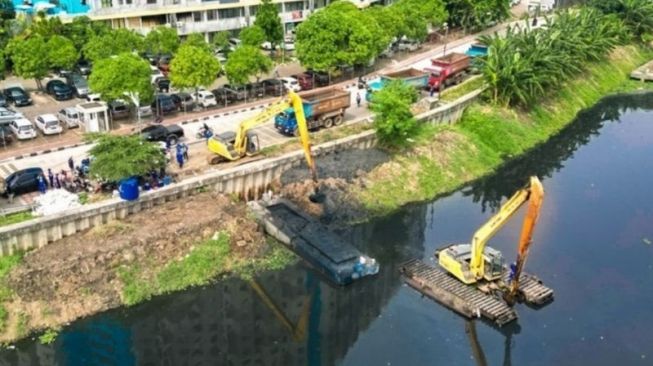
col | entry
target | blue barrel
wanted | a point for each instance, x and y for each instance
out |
(129, 189)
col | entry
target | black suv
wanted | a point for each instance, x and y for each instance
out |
(23, 181)
(320, 78)
(163, 104)
(171, 133)
(273, 87)
(18, 96)
(224, 96)
(59, 90)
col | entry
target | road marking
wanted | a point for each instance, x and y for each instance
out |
(7, 169)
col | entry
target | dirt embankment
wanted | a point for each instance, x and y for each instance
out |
(77, 276)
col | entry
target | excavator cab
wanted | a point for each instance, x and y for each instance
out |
(253, 144)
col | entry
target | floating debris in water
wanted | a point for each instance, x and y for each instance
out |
(647, 241)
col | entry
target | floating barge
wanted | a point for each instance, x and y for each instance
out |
(325, 251)
(469, 300)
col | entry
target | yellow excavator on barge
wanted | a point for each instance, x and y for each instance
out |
(473, 279)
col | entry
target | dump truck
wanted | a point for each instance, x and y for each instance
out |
(447, 70)
(418, 79)
(322, 108)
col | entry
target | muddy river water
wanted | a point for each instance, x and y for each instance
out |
(593, 245)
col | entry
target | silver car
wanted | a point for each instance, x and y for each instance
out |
(7, 115)
(69, 116)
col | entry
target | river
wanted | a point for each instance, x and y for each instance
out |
(593, 246)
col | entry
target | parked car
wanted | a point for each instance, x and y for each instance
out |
(183, 101)
(155, 73)
(23, 181)
(305, 81)
(289, 45)
(18, 96)
(118, 109)
(59, 90)
(151, 57)
(407, 45)
(224, 96)
(255, 90)
(238, 90)
(273, 86)
(7, 115)
(22, 128)
(320, 78)
(290, 84)
(163, 104)
(69, 117)
(164, 63)
(204, 98)
(79, 85)
(266, 46)
(234, 43)
(6, 136)
(3, 101)
(145, 110)
(48, 124)
(171, 133)
(83, 67)
(162, 84)
(93, 97)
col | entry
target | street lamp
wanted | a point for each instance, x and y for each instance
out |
(135, 98)
(446, 34)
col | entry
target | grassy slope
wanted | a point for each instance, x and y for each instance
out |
(446, 157)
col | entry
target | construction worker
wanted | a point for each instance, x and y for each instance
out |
(358, 99)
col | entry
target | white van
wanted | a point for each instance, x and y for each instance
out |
(22, 128)
(48, 124)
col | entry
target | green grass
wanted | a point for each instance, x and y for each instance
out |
(49, 336)
(15, 218)
(201, 266)
(471, 84)
(487, 136)
(6, 264)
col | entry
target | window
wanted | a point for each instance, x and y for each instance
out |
(151, 1)
(197, 16)
(253, 10)
(211, 15)
(230, 13)
(295, 6)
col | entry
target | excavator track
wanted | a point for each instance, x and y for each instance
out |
(464, 299)
(534, 292)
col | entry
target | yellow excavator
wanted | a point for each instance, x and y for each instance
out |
(230, 146)
(475, 262)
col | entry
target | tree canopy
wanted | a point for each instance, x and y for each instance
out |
(112, 43)
(393, 120)
(267, 18)
(29, 57)
(252, 36)
(62, 53)
(220, 41)
(196, 40)
(115, 76)
(193, 67)
(81, 29)
(637, 15)
(245, 62)
(477, 14)
(120, 157)
(339, 34)
(161, 39)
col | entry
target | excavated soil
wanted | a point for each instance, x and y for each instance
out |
(76, 276)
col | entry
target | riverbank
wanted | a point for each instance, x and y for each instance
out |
(442, 159)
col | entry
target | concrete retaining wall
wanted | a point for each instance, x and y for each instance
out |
(248, 181)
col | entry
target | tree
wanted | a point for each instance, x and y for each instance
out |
(161, 39)
(389, 20)
(62, 53)
(267, 18)
(393, 120)
(7, 11)
(112, 43)
(193, 67)
(336, 35)
(29, 57)
(637, 15)
(477, 14)
(220, 41)
(417, 15)
(196, 40)
(113, 77)
(46, 27)
(252, 36)
(80, 31)
(244, 62)
(120, 157)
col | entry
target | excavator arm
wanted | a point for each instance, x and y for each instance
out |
(240, 144)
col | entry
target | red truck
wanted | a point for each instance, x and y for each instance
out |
(447, 70)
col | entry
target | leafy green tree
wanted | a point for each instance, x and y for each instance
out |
(220, 41)
(252, 36)
(29, 58)
(112, 43)
(80, 30)
(338, 34)
(161, 39)
(417, 15)
(7, 11)
(390, 21)
(46, 27)
(120, 157)
(115, 76)
(244, 62)
(637, 15)
(62, 53)
(193, 67)
(393, 120)
(477, 14)
(196, 40)
(267, 18)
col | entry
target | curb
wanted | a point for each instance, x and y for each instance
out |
(46, 151)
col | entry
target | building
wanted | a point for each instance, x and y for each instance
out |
(187, 16)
